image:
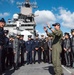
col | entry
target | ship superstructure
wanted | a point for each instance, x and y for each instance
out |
(24, 19)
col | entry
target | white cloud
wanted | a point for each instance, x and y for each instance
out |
(66, 17)
(4, 14)
(44, 16)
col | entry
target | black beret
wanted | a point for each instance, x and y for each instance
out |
(56, 24)
(2, 20)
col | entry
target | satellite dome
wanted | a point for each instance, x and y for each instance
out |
(15, 16)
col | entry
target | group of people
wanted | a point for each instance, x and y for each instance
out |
(13, 49)
(55, 49)
(68, 49)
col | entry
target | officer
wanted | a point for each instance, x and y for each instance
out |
(16, 48)
(36, 48)
(29, 49)
(46, 51)
(10, 51)
(67, 49)
(62, 54)
(22, 48)
(2, 41)
(72, 46)
(56, 47)
(50, 40)
(5, 50)
(41, 46)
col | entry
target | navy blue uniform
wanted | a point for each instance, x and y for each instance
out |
(36, 47)
(2, 37)
(62, 53)
(29, 48)
(46, 51)
(41, 46)
(72, 53)
(5, 52)
(22, 48)
(10, 53)
(2, 41)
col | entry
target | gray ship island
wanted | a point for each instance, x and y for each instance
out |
(24, 21)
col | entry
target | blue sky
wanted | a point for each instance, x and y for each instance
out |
(51, 11)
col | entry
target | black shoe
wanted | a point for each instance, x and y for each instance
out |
(22, 64)
(30, 62)
(27, 63)
(16, 68)
(38, 62)
(67, 65)
(34, 62)
(62, 74)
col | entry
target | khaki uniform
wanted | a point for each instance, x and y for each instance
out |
(56, 50)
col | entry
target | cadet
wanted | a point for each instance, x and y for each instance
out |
(56, 47)
(16, 51)
(2, 41)
(10, 51)
(50, 48)
(36, 48)
(29, 49)
(72, 46)
(5, 50)
(46, 50)
(62, 54)
(41, 46)
(22, 48)
(67, 49)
